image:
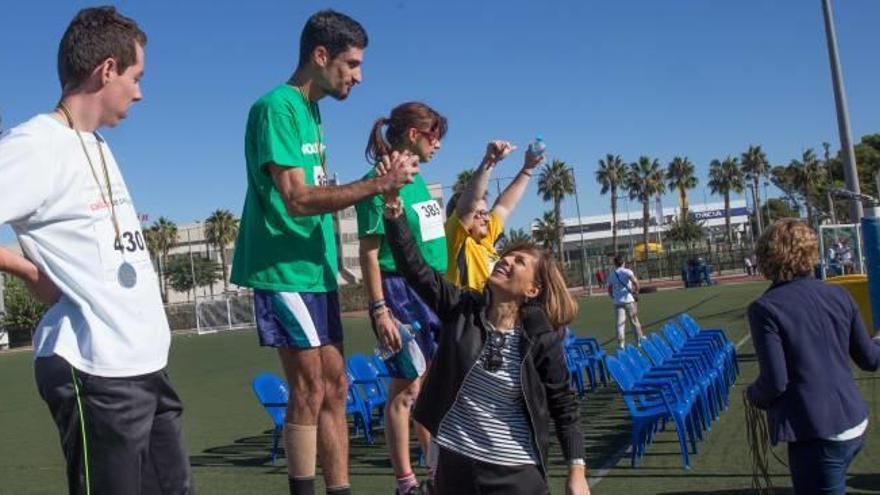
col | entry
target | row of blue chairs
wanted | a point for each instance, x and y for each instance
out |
(682, 374)
(367, 394)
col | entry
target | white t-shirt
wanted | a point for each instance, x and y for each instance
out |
(50, 198)
(621, 285)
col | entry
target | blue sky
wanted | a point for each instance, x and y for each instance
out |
(687, 77)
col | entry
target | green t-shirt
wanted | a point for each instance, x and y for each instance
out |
(274, 250)
(425, 219)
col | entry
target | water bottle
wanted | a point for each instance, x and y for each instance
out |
(538, 147)
(407, 333)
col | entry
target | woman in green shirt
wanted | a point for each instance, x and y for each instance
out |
(418, 129)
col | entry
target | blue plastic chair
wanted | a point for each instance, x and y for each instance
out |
(648, 406)
(384, 374)
(575, 366)
(273, 395)
(590, 353)
(684, 386)
(693, 330)
(701, 366)
(369, 386)
(704, 383)
(354, 407)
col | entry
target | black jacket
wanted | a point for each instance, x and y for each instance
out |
(805, 332)
(544, 374)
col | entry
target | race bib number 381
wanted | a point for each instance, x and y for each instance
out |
(430, 219)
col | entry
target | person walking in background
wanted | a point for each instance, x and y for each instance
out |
(805, 332)
(623, 287)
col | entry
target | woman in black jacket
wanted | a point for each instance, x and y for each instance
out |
(499, 374)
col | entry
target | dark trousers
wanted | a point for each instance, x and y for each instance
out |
(819, 466)
(119, 435)
(461, 475)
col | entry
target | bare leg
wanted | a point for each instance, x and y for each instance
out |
(332, 427)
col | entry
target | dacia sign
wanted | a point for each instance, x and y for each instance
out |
(710, 214)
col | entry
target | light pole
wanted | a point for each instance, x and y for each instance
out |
(192, 271)
(587, 281)
(850, 173)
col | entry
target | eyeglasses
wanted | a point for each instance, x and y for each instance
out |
(494, 358)
(431, 136)
(481, 213)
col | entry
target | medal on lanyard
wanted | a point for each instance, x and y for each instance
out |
(126, 274)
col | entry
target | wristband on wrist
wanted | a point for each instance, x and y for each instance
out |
(577, 462)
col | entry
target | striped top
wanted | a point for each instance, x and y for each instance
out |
(488, 420)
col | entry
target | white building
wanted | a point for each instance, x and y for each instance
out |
(596, 229)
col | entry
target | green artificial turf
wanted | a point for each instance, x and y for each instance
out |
(228, 433)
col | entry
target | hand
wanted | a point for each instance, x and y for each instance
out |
(384, 164)
(386, 331)
(577, 482)
(43, 289)
(497, 151)
(531, 161)
(398, 172)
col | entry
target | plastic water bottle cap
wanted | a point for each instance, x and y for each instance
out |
(416, 326)
(539, 138)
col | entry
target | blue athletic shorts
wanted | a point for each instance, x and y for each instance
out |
(298, 320)
(412, 361)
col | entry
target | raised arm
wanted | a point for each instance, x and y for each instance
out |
(511, 195)
(301, 199)
(476, 188)
(441, 296)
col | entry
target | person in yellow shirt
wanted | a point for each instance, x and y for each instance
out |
(472, 229)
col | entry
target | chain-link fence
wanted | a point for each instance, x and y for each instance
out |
(720, 258)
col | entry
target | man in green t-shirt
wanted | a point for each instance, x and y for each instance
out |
(286, 248)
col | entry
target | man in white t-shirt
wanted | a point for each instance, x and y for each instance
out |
(623, 287)
(101, 348)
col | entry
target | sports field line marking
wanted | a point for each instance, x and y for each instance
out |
(743, 341)
(600, 473)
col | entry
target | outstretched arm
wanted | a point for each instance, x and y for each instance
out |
(476, 188)
(301, 199)
(441, 296)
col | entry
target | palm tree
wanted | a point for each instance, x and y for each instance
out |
(725, 178)
(755, 166)
(680, 177)
(809, 177)
(462, 180)
(221, 229)
(687, 231)
(611, 175)
(512, 238)
(545, 230)
(166, 237)
(644, 181)
(555, 183)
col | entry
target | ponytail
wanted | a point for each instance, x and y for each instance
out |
(376, 144)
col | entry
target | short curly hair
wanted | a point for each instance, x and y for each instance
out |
(788, 249)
